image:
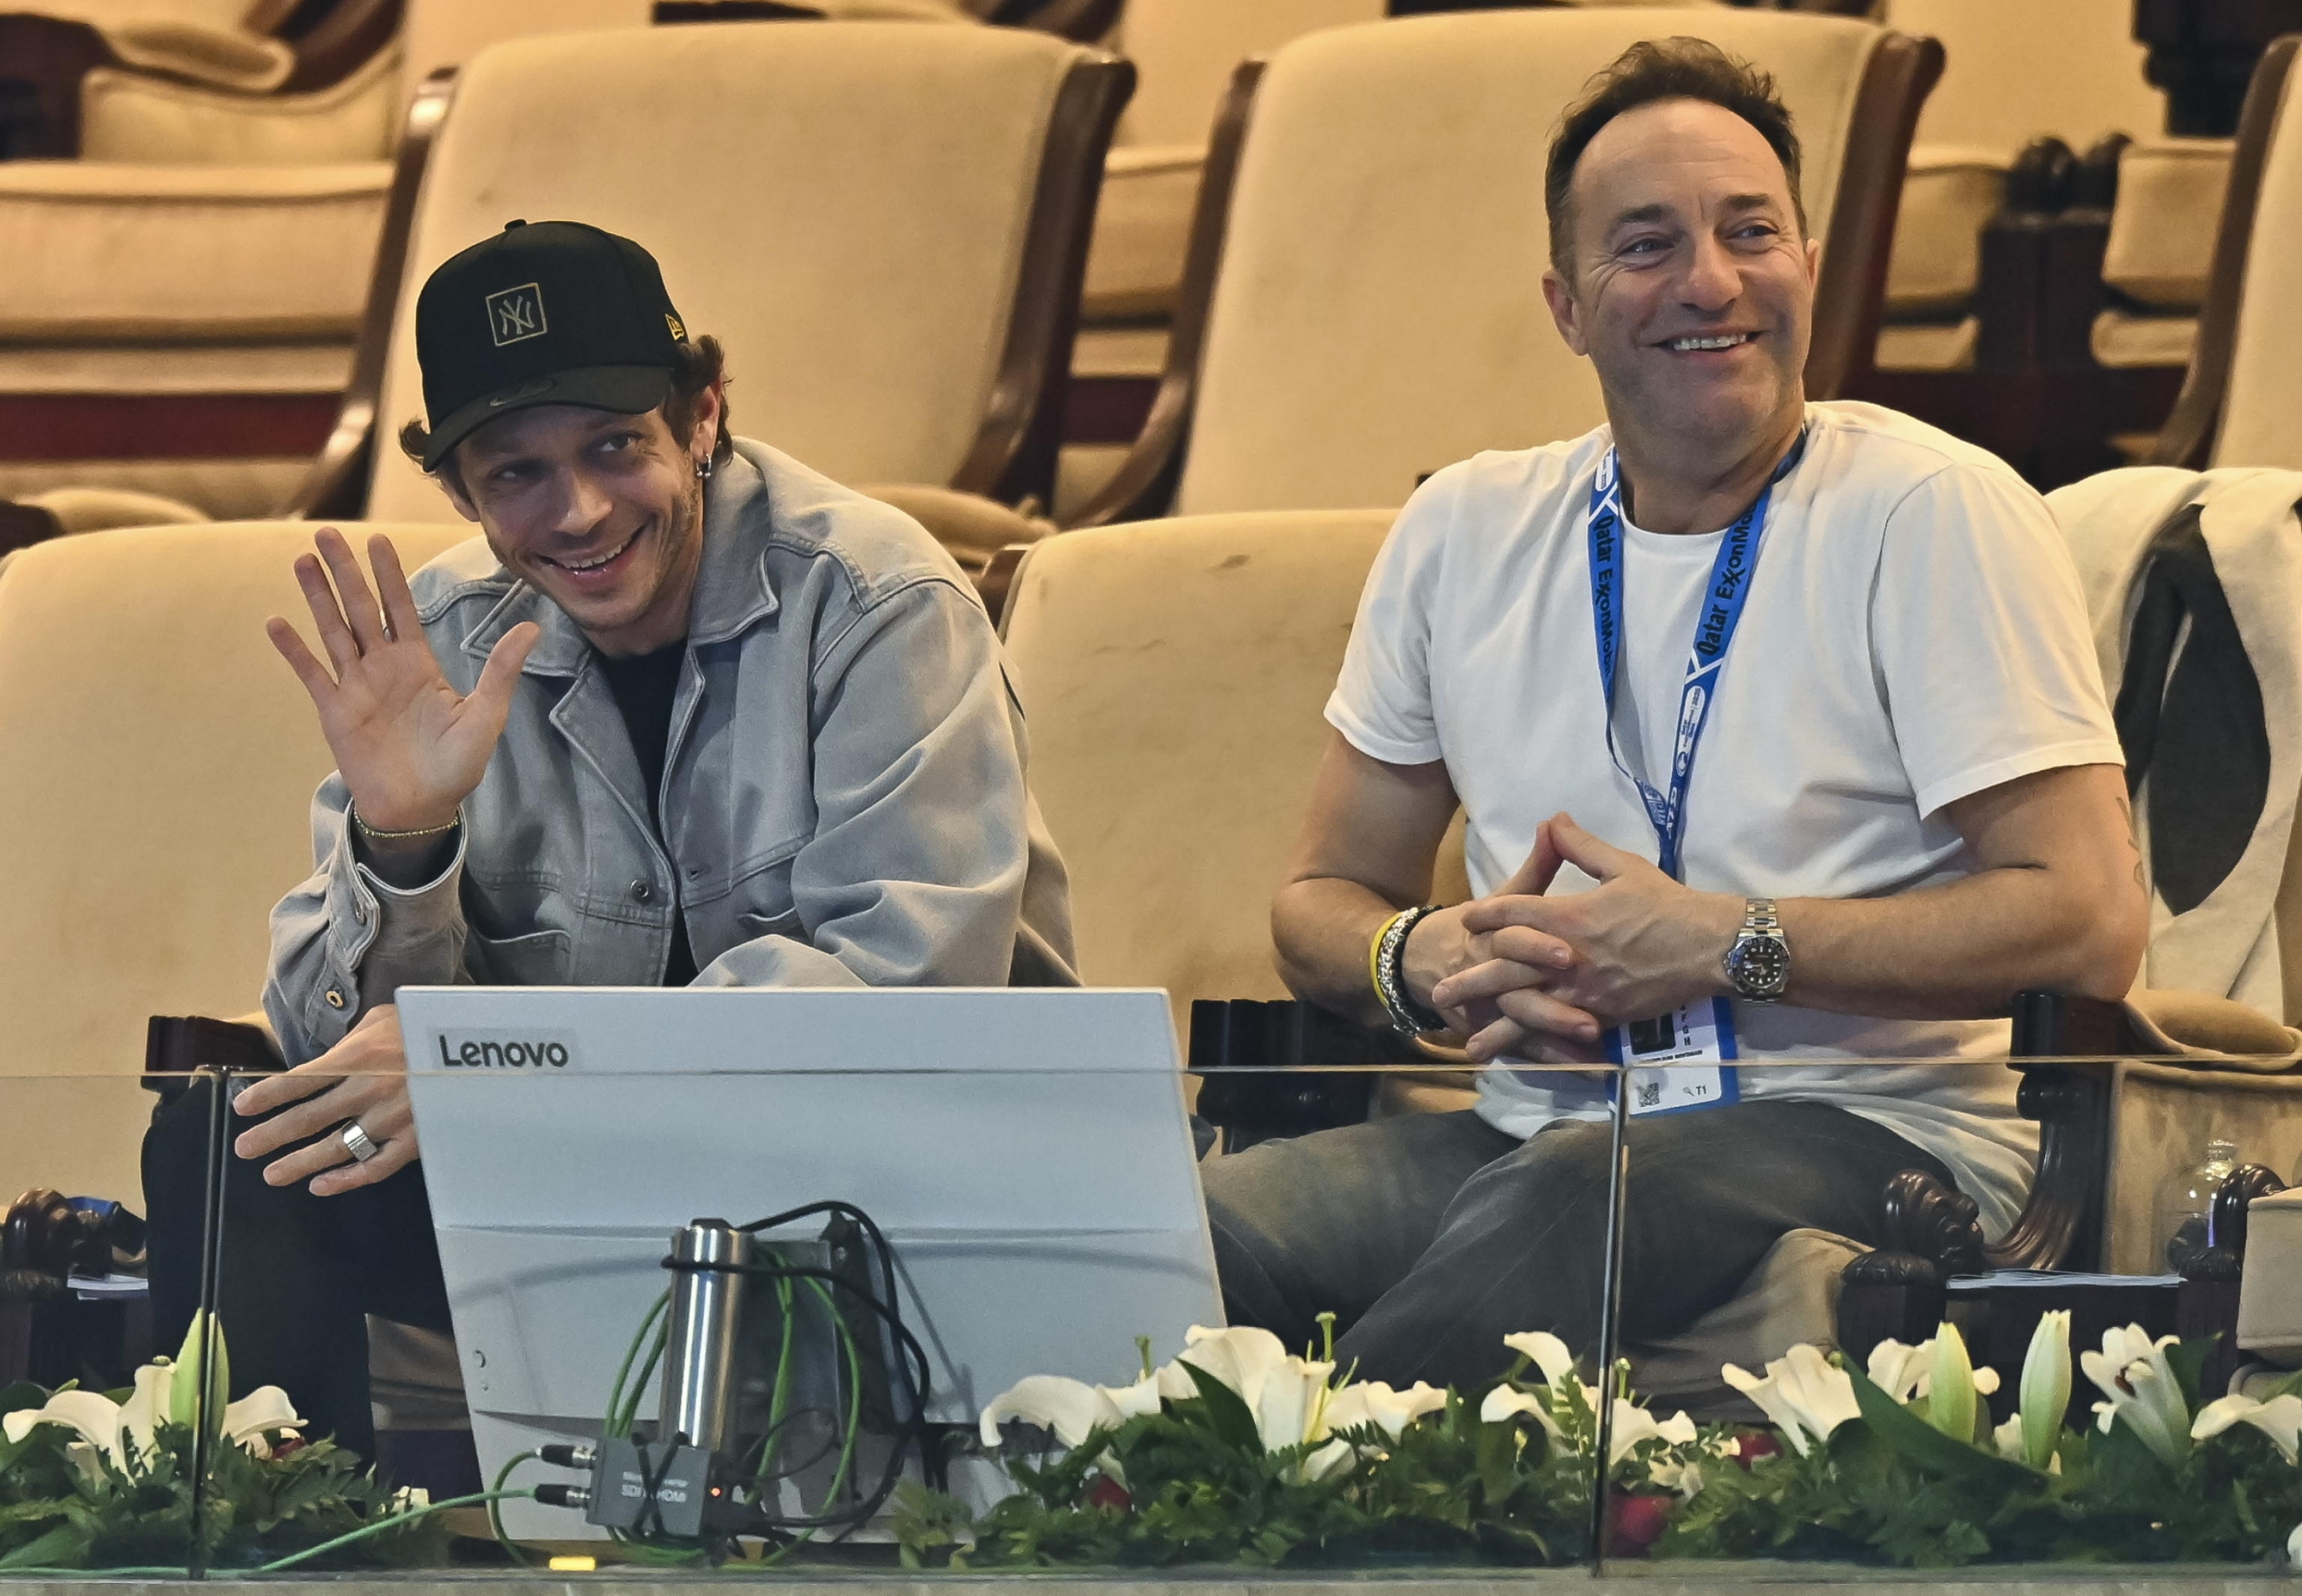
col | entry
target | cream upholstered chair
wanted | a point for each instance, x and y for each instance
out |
(1185, 51)
(1365, 304)
(889, 243)
(2237, 405)
(157, 763)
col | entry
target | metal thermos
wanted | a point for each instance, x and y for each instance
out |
(699, 1364)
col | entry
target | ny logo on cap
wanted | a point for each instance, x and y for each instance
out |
(517, 313)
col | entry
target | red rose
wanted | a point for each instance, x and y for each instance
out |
(1636, 1522)
(1108, 1492)
(1751, 1445)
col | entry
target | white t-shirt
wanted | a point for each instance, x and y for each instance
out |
(1914, 634)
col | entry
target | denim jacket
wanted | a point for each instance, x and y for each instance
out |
(843, 801)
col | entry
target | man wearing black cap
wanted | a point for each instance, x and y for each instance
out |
(688, 713)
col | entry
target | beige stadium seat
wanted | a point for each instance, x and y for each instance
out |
(1185, 51)
(1367, 306)
(891, 271)
(177, 305)
(2237, 402)
(1993, 100)
(236, 233)
(157, 774)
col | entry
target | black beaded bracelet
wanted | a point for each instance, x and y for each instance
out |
(1408, 1017)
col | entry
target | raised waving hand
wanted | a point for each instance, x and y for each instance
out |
(409, 746)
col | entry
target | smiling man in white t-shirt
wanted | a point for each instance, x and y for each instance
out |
(1778, 735)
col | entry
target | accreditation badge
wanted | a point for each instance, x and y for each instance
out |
(1694, 1042)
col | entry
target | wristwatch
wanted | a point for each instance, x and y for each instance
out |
(1758, 964)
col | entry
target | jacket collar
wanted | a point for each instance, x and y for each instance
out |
(732, 589)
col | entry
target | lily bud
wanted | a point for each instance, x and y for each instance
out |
(2045, 1387)
(193, 1373)
(1950, 1386)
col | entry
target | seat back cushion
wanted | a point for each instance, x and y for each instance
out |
(1186, 50)
(1172, 676)
(2261, 424)
(155, 799)
(843, 207)
(2070, 68)
(1380, 312)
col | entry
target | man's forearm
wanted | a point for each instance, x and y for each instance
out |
(1962, 949)
(1322, 929)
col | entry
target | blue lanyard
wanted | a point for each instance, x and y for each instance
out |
(1714, 631)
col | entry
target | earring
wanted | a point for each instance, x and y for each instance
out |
(703, 469)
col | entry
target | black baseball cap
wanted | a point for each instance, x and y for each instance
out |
(552, 312)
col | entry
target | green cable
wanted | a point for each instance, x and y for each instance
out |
(616, 1392)
(399, 1521)
(632, 1398)
(782, 1393)
(495, 1519)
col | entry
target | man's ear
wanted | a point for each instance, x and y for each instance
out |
(710, 406)
(1813, 262)
(1560, 297)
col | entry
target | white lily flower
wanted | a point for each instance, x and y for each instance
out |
(1546, 1351)
(123, 1430)
(1633, 1423)
(1072, 1408)
(2294, 1547)
(1371, 1402)
(1905, 1372)
(1508, 1401)
(2131, 1371)
(2046, 1388)
(1286, 1394)
(1802, 1393)
(2280, 1418)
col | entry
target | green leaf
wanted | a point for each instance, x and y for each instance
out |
(60, 1548)
(1227, 1415)
(2187, 1359)
(1920, 1443)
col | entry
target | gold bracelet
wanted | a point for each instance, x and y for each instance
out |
(377, 834)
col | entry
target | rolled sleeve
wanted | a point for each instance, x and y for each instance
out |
(915, 873)
(345, 941)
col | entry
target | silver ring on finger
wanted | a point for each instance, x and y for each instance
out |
(357, 1144)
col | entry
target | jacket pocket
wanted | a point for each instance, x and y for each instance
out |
(538, 959)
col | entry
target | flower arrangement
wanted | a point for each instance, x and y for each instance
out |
(1240, 1452)
(95, 1480)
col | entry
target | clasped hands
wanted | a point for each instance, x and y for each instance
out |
(410, 749)
(1525, 974)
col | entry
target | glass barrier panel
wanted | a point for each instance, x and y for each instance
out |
(97, 1470)
(1975, 1310)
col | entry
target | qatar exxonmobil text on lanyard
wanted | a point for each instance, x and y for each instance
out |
(1696, 1041)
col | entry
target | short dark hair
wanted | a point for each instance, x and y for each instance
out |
(1664, 68)
(703, 363)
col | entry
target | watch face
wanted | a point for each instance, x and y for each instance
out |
(1761, 966)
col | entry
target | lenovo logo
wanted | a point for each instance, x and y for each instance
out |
(545, 1050)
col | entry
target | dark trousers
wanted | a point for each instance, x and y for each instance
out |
(299, 1274)
(1431, 1237)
